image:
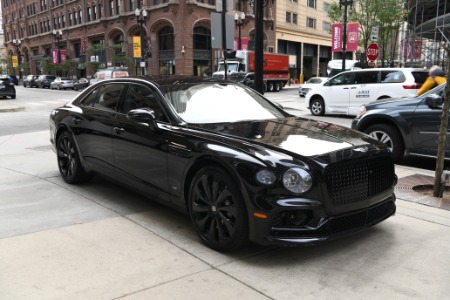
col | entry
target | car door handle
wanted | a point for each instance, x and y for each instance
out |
(76, 121)
(119, 130)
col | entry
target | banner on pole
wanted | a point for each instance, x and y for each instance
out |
(137, 52)
(63, 54)
(352, 36)
(336, 37)
(54, 53)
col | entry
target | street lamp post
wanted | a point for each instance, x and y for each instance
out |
(141, 17)
(239, 20)
(57, 34)
(17, 43)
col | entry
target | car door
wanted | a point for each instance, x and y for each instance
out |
(425, 126)
(140, 151)
(363, 90)
(93, 128)
(336, 93)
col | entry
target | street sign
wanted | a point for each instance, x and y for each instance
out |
(374, 37)
(373, 51)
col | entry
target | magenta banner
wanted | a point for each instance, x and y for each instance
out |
(413, 49)
(54, 53)
(336, 37)
(352, 36)
(63, 55)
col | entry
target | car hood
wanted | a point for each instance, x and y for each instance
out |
(299, 136)
(395, 103)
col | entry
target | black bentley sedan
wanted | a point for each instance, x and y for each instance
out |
(241, 167)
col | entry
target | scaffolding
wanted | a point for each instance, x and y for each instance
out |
(426, 33)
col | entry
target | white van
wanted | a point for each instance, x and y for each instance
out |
(108, 74)
(347, 91)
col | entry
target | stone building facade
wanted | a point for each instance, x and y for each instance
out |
(177, 32)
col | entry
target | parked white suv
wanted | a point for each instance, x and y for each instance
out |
(347, 91)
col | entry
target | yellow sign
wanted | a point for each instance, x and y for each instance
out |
(15, 61)
(137, 52)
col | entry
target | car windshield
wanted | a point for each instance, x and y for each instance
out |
(435, 90)
(237, 76)
(215, 103)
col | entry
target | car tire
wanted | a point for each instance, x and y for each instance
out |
(69, 163)
(270, 87)
(75, 88)
(217, 210)
(317, 107)
(13, 97)
(390, 136)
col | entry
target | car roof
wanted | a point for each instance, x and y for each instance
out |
(164, 80)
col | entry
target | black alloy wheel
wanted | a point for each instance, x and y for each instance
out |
(217, 210)
(69, 163)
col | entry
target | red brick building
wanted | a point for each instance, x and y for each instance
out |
(178, 33)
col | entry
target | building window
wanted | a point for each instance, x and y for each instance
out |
(70, 19)
(312, 3)
(99, 11)
(63, 18)
(75, 18)
(117, 7)
(202, 38)
(311, 23)
(294, 18)
(94, 11)
(88, 14)
(111, 7)
(131, 5)
(80, 17)
(326, 7)
(326, 27)
(288, 17)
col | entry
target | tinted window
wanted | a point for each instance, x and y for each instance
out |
(366, 77)
(140, 97)
(345, 78)
(90, 99)
(109, 96)
(392, 76)
(419, 76)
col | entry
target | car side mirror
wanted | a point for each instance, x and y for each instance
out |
(434, 100)
(146, 116)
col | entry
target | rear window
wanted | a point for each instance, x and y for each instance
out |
(420, 76)
(393, 76)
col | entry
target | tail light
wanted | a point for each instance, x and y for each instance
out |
(414, 86)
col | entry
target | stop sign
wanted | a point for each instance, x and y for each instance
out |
(373, 51)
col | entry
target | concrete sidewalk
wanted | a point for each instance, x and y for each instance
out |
(101, 241)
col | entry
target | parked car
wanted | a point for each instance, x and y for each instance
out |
(408, 126)
(246, 78)
(44, 81)
(311, 83)
(7, 88)
(14, 79)
(241, 167)
(347, 91)
(81, 84)
(62, 83)
(30, 81)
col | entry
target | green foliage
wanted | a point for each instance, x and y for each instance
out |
(47, 67)
(67, 68)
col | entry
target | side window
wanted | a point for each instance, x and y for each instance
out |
(140, 97)
(90, 99)
(392, 77)
(366, 77)
(341, 79)
(109, 96)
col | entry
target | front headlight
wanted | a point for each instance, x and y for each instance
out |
(362, 111)
(297, 180)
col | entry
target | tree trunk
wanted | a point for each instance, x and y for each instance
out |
(442, 133)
